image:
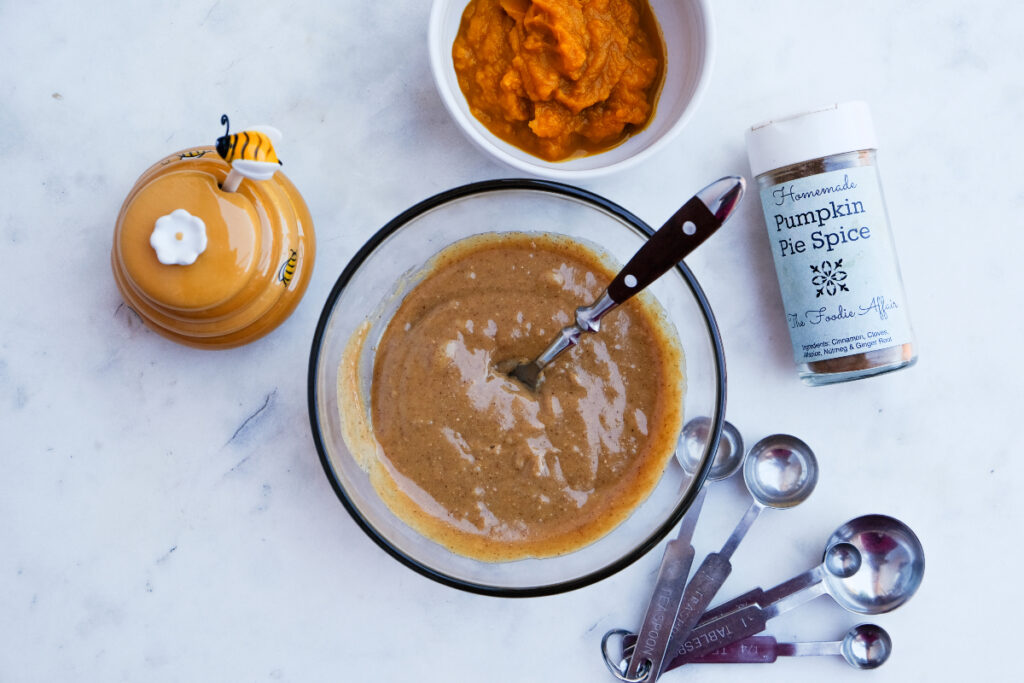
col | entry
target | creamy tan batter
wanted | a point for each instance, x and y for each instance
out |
(475, 460)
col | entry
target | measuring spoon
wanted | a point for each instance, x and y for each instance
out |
(653, 637)
(728, 455)
(865, 646)
(873, 564)
(780, 472)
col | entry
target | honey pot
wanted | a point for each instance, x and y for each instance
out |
(214, 247)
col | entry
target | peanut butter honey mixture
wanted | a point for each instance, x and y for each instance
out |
(478, 462)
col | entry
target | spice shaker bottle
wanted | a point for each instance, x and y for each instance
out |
(830, 238)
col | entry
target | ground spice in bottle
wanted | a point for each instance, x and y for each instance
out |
(833, 248)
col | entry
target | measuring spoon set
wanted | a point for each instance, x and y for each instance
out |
(872, 565)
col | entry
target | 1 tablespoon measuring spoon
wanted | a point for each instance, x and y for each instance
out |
(873, 564)
(780, 472)
(865, 646)
(686, 230)
(675, 565)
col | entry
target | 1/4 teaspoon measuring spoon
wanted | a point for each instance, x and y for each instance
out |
(686, 230)
(865, 646)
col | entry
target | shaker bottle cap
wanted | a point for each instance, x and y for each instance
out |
(844, 127)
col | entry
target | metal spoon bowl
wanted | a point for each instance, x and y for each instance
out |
(891, 564)
(842, 560)
(780, 471)
(728, 457)
(866, 646)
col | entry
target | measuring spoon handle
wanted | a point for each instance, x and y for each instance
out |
(764, 598)
(752, 597)
(752, 650)
(699, 592)
(653, 637)
(766, 650)
(709, 636)
(756, 597)
(741, 623)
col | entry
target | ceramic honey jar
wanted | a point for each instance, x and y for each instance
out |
(214, 246)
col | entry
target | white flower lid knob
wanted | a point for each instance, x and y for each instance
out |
(178, 238)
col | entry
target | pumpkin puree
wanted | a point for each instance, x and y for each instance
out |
(560, 78)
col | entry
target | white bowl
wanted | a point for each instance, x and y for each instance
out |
(688, 35)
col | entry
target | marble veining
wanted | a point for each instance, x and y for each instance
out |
(165, 516)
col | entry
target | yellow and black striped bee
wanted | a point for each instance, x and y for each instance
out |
(287, 271)
(194, 154)
(255, 144)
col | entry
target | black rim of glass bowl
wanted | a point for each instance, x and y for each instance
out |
(462, 192)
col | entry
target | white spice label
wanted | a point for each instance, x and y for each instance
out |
(836, 264)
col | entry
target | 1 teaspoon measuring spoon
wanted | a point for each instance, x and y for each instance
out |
(865, 646)
(656, 628)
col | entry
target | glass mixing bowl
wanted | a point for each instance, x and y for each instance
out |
(371, 288)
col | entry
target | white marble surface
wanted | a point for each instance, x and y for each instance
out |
(165, 517)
